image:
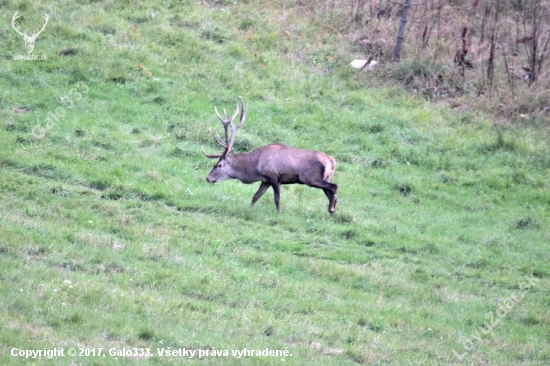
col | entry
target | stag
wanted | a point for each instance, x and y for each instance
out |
(272, 165)
(29, 40)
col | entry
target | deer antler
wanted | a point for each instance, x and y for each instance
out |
(35, 34)
(234, 129)
(218, 139)
(211, 156)
(29, 40)
(226, 122)
(13, 19)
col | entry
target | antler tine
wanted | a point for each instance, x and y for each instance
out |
(232, 127)
(243, 113)
(13, 19)
(235, 128)
(218, 139)
(227, 120)
(224, 121)
(211, 156)
(235, 114)
(44, 26)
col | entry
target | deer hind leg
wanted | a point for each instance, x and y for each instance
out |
(329, 172)
(332, 198)
(315, 177)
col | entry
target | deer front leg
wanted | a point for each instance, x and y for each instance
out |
(276, 184)
(263, 187)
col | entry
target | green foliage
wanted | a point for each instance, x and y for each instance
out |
(110, 237)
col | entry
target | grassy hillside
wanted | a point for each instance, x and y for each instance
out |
(110, 237)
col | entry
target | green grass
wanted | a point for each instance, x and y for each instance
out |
(111, 238)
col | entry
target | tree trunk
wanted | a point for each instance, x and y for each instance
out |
(534, 46)
(401, 32)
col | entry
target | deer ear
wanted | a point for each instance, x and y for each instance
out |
(229, 156)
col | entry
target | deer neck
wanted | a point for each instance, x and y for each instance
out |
(245, 167)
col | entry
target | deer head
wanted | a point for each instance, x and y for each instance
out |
(223, 169)
(29, 40)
